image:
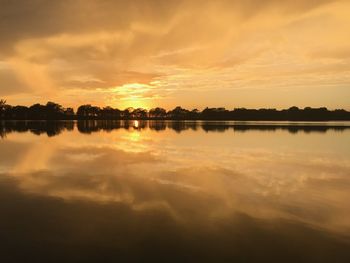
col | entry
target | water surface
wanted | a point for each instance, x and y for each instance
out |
(174, 191)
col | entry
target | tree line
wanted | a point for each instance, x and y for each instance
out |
(54, 111)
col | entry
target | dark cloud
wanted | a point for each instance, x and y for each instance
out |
(40, 18)
(24, 19)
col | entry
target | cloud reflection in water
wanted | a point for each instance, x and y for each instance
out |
(253, 186)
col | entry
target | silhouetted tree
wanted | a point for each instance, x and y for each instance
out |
(2, 108)
(194, 114)
(88, 112)
(69, 113)
(37, 111)
(127, 113)
(139, 114)
(2, 103)
(215, 113)
(109, 113)
(54, 111)
(157, 113)
(178, 113)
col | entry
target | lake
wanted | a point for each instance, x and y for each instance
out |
(166, 191)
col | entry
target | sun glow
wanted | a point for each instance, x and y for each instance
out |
(133, 103)
(136, 95)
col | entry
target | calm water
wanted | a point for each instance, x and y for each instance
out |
(174, 192)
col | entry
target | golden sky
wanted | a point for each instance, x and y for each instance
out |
(231, 53)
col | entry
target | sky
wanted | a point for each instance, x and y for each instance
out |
(229, 53)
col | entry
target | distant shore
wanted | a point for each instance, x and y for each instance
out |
(54, 111)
